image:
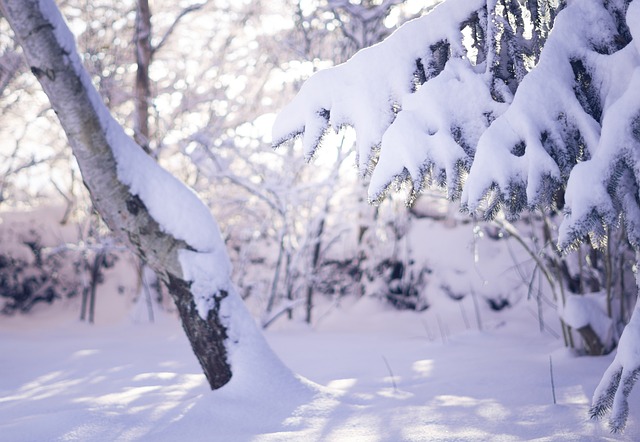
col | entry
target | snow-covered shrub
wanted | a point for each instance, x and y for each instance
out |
(29, 275)
(41, 263)
(404, 284)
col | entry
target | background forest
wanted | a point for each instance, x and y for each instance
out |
(198, 85)
(201, 98)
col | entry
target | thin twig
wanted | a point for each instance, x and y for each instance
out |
(464, 315)
(428, 330)
(443, 332)
(477, 309)
(393, 381)
(171, 28)
(553, 386)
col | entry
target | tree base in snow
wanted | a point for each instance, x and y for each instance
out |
(206, 337)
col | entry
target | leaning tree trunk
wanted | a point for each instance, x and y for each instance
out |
(50, 51)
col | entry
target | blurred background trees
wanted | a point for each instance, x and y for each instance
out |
(197, 84)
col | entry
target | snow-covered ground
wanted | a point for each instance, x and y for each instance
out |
(378, 375)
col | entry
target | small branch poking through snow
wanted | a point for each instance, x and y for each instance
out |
(553, 385)
(477, 309)
(443, 330)
(392, 377)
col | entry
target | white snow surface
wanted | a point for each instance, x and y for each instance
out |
(364, 372)
(64, 381)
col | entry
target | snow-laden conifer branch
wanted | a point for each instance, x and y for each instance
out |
(613, 173)
(527, 153)
(433, 138)
(424, 96)
(368, 90)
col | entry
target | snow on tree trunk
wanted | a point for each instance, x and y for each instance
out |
(162, 220)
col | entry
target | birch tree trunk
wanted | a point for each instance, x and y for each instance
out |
(53, 60)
